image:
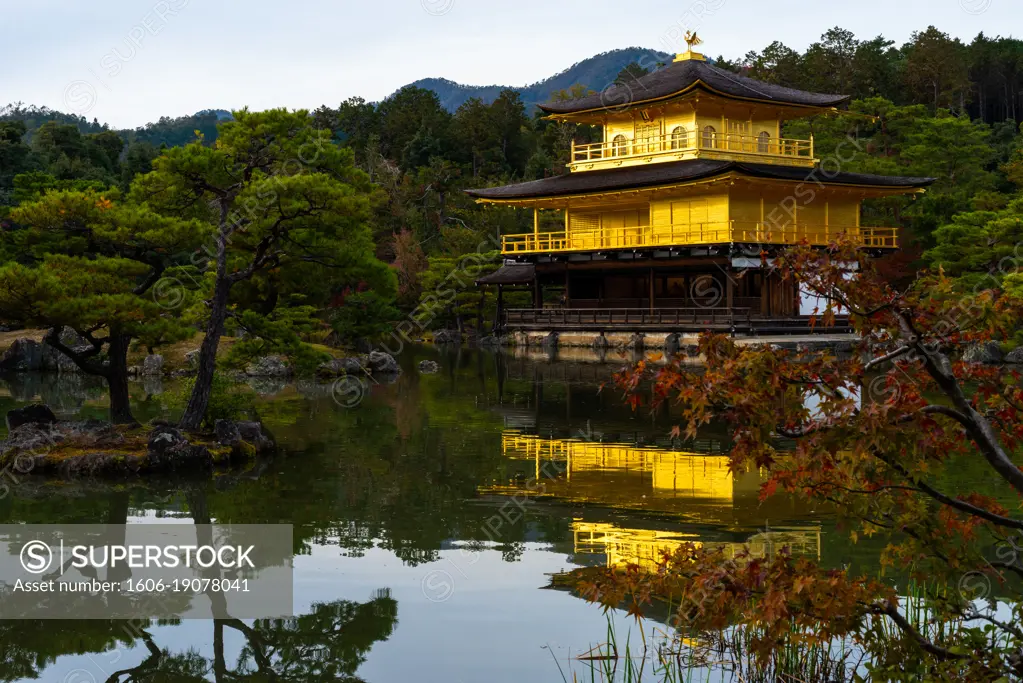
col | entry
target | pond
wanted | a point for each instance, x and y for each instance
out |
(431, 520)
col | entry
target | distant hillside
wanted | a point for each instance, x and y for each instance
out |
(167, 131)
(175, 132)
(596, 73)
(34, 117)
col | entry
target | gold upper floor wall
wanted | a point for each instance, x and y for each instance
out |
(720, 212)
(696, 127)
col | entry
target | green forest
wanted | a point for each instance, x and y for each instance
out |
(399, 222)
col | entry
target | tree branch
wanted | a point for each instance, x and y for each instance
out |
(892, 612)
(81, 359)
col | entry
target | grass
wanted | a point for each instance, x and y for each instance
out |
(174, 354)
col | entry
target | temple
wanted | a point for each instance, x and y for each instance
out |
(671, 221)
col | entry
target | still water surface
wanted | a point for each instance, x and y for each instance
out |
(428, 522)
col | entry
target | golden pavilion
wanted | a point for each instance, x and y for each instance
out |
(670, 221)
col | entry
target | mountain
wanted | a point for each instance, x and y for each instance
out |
(167, 131)
(596, 73)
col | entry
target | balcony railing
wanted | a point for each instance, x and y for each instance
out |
(693, 234)
(691, 145)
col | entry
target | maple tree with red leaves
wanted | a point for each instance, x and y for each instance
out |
(879, 435)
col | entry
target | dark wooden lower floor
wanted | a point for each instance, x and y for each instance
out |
(737, 295)
(700, 285)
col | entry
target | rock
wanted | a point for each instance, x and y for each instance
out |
(268, 366)
(988, 353)
(692, 350)
(600, 343)
(636, 342)
(672, 344)
(1015, 356)
(257, 435)
(169, 449)
(227, 432)
(24, 355)
(192, 358)
(152, 366)
(340, 366)
(36, 413)
(246, 438)
(134, 370)
(165, 440)
(30, 444)
(25, 444)
(550, 341)
(383, 363)
(57, 361)
(71, 339)
(447, 337)
(94, 447)
(429, 367)
(489, 342)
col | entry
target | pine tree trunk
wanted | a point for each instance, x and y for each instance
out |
(117, 380)
(199, 401)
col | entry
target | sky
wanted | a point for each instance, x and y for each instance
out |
(128, 62)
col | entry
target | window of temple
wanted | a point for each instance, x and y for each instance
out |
(710, 136)
(764, 142)
(648, 137)
(680, 138)
(619, 146)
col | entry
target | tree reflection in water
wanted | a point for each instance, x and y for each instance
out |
(329, 643)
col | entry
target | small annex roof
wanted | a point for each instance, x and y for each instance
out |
(510, 274)
(667, 173)
(681, 77)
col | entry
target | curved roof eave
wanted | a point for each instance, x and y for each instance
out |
(681, 173)
(697, 85)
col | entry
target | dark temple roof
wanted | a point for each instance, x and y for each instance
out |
(681, 77)
(510, 274)
(666, 173)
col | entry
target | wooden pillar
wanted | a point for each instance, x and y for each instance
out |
(566, 296)
(537, 293)
(651, 277)
(729, 288)
(536, 228)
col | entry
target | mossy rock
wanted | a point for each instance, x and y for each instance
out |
(96, 449)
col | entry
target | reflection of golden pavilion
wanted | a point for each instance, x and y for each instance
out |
(647, 547)
(615, 474)
(700, 489)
